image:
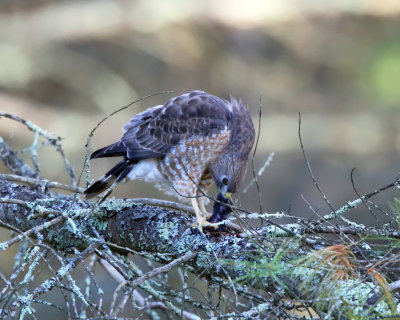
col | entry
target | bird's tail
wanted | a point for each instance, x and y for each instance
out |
(115, 174)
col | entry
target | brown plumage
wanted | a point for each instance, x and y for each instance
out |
(183, 146)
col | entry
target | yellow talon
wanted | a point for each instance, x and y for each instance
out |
(201, 222)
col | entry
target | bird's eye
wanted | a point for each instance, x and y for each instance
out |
(225, 181)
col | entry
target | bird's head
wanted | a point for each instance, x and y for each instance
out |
(228, 172)
(229, 169)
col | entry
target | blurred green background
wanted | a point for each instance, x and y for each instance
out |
(67, 64)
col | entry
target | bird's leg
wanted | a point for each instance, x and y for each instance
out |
(202, 207)
(201, 218)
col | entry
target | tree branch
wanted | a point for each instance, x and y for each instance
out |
(13, 162)
(150, 229)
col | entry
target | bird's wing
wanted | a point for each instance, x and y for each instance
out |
(154, 132)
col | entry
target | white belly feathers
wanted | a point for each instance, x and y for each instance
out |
(147, 171)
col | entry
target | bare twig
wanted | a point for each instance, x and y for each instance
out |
(41, 182)
(120, 277)
(13, 162)
(163, 269)
(14, 201)
(254, 153)
(34, 230)
(52, 140)
(353, 204)
(260, 172)
(50, 283)
(254, 313)
(310, 170)
(358, 194)
(31, 126)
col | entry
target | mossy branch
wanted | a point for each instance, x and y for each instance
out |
(280, 259)
(121, 225)
(127, 226)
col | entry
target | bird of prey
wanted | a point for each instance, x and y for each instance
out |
(183, 146)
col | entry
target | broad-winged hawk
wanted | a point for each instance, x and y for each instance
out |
(182, 147)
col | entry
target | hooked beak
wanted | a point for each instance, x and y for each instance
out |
(227, 195)
(223, 191)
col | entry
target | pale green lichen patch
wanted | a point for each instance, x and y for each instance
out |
(39, 206)
(63, 239)
(308, 276)
(203, 260)
(116, 205)
(275, 231)
(354, 293)
(72, 225)
(131, 238)
(80, 212)
(167, 230)
(349, 295)
(98, 224)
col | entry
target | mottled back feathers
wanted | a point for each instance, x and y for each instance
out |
(155, 132)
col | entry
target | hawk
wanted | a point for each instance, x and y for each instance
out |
(183, 146)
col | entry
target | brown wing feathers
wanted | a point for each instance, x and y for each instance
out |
(152, 133)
